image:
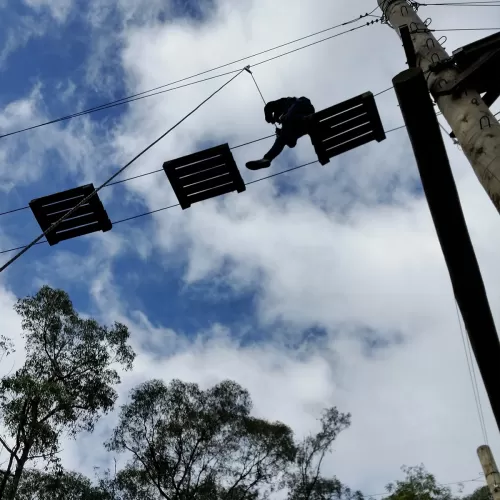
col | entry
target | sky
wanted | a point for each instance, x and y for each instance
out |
(321, 287)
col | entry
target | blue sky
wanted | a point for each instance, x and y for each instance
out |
(324, 286)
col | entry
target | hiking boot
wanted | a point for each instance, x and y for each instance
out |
(258, 164)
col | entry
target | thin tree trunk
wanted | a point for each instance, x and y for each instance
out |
(5, 479)
(19, 471)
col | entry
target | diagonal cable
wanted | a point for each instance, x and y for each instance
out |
(85, 200)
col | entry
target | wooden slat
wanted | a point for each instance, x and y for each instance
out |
(64, 195)
(83, 210)
(196, 168)
(88, 218)
(205, 154)
(341, 107)
(80, 221)
(343, 148)
(343, 117)
(62, 206)
(205, 175)
(347, 136)
(212, 193)
(214, 172)
(344, 127)
(74, 233)
(209, 184)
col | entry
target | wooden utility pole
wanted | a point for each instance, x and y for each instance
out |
(490, 470)
(475, 127)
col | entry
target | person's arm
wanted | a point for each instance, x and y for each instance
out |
(269, 110)
(274, 108)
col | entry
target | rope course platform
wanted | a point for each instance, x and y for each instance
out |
(346, 126)
(90, 217)
(206, 174)
(203, 175)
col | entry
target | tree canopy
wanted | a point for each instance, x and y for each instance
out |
(189, 443)
(176, 440)
(66, 384)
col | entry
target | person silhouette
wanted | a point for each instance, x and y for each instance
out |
(294, 114)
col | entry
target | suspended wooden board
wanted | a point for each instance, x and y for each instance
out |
(203, 175)
(89, 218)
(346, 126)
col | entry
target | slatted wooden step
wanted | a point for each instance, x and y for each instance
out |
(204, 175)
(346, 126)
(89, 218)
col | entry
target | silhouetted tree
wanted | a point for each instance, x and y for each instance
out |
(304, 478)
(418, 485)
(58, 485)
(190, 444)
(482, 493)
(67, 381)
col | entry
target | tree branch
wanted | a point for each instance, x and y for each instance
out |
(146, 468)
(5, 445)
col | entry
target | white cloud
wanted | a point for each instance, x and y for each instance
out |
(70, 146)
(27, 27)
(18, 36)
(59, 9)
(351, 247)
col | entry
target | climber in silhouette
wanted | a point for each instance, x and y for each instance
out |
(294, 114)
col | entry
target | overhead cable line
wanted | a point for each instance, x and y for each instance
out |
(87, 198)
(153, 92)
(121, 181)
(177, 204)
(475, 388)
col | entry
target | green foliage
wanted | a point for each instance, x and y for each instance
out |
(304, 479)
(60, 485)
(66, 383)
(192, 444)
(418, 485)
(482, 493)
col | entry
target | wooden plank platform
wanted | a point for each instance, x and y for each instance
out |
(204, 175)
(89, 218)
(346, 126)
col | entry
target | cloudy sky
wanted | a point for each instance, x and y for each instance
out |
(324, 286)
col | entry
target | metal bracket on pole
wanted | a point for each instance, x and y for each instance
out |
(411, 57)
(444, 204)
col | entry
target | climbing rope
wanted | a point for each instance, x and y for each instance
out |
(256, 84)
(86, 199)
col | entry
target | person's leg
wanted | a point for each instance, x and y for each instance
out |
(276, 149)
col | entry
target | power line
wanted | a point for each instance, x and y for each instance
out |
(20, 248)
(176, 205)
(473, 380)
(84, 200)
(161, 170)
(13, 211)
(152, 92)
